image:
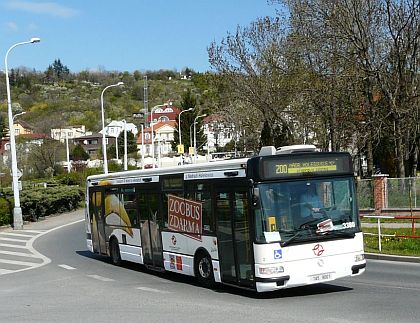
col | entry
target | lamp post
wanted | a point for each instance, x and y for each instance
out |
(125, 145)
(103, 125)
(142, 146)
(67, 152)
(17, 210)
(179, 130)
(195, 137)
(151, 127)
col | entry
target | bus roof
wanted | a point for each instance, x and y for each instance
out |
(210, 166)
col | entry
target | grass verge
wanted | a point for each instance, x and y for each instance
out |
(392, 245)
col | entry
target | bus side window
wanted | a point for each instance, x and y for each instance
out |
(201, 192)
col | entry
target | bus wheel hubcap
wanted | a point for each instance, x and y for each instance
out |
(204, 268)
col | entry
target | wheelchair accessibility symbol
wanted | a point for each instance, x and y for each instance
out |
(278, 254)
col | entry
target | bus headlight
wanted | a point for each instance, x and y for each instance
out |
(360, 257)
(272, 270)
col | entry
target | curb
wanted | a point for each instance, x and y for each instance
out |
(377, 256)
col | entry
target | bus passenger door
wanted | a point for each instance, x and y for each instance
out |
(97, 222)
(151, 226)
(235, 247)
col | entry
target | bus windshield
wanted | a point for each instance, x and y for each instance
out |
(306, 210)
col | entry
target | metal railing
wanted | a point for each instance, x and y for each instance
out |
(382, 217)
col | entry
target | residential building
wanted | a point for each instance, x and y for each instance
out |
(92, 144)
(163, 114)
(114, 128)
(218, 132)
(163, 138)
(70, 131)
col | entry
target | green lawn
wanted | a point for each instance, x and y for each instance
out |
(391, 245)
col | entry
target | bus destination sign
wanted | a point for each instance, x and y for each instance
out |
(275, 168)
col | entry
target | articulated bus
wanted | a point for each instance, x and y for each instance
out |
(284, 218)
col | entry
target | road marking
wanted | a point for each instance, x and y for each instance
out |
(67, 267)
(17, 234)
(28, 245)
(153, 290)
(22, 254)
(15, 262)
(33, 231)
(14, 240)
(12, 245)
(101, 278)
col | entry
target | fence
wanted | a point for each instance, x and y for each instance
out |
(398, 218)
(385, 194)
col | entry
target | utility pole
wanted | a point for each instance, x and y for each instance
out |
(146, 102)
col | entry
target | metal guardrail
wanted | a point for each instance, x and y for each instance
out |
(396, 217)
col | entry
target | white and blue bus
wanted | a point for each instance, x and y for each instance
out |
(282, 219)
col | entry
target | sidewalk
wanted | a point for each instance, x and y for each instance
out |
(51, 221)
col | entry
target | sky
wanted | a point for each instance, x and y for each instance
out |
(124, 35)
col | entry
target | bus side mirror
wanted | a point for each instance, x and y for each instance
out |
(255, 197)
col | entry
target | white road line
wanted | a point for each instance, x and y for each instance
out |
(153, 290)
(17, 234)
(33, 231)
(67, 267)
(14, 240)
(101, 278)
(12, 245)
(29, 247)
(15, 262)
(13, 253)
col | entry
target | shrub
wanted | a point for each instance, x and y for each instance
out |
(5, 211)
(41, 202)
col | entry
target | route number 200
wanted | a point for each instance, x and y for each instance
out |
(281, 169)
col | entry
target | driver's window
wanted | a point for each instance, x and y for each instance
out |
(325, 193)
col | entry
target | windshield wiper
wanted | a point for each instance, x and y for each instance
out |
(340, 233)
(294, 237)
(312, 221)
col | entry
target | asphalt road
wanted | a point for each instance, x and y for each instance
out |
(75, 286)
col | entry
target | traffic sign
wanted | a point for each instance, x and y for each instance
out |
(19, 173)
(180, 149)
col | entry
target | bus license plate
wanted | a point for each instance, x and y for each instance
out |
(320, 277)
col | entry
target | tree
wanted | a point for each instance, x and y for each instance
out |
(253, 74)
(79, 153)
(42, 158)
(189, 101)
(57, 71)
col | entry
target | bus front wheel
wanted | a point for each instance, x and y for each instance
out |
(114, 251)
(204, 270)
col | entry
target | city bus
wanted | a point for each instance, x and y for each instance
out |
(247, 222)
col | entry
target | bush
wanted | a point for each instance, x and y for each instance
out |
(5, 211)
(41, 202)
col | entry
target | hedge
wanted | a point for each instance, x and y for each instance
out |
(41, 202)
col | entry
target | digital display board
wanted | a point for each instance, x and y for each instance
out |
(305, 165)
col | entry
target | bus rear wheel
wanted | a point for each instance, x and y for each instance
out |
(204, 270)
(114, 251)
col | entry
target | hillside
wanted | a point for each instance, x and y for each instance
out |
(74, 99)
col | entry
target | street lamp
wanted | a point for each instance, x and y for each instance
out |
(17, 115)
(151, 127)
(125, 145)
(17, 210)
(195, 137)
(179, 130)
(103, 125)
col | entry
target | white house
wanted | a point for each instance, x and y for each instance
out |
(114, 128)
(70, 131)
(217, 131)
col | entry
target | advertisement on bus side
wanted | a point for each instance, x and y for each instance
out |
(185, 216)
